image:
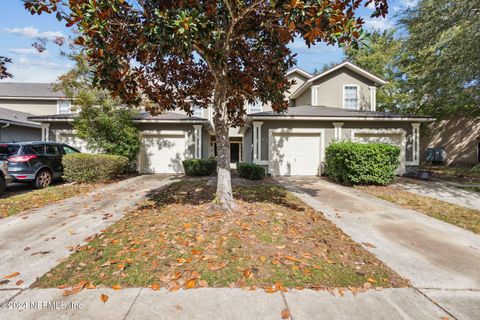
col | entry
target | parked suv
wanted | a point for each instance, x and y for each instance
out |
(35, 162)
(4, 176)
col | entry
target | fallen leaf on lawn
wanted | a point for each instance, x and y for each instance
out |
(103, 297)
(371, 280)
(202, 283)
(73, 291)
(291, 258)
(216, 266)
(270, 289)
(196, 252)
(177, 275)
(11, 275)
(62, 286)
(341, 292)
(116, 287)
(192, 283)
(19, 282)
(367, 285)
(155, 286)
(285, 314)
(247, 273)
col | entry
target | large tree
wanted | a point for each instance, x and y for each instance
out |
(222, 53)
(3, 67)
(441, 56)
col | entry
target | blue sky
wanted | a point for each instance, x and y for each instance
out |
(18, 30)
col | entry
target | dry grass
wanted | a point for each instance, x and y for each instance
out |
(273, 241)
(456, 174)
(39, 198)
(462, 217)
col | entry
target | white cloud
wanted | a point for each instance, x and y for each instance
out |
(32, 32)
(28, 51)
(379, 24)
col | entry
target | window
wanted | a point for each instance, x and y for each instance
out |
(255, 107)
(39, 149)
(69, 150)
(7, 150)
(197, 111)
(64, 106)
(51, 150)
(350, 97)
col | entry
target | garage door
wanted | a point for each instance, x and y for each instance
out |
(72, 140)
(395, 139)
(162, 153)
(295, 154)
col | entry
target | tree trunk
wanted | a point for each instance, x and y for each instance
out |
(224, 198)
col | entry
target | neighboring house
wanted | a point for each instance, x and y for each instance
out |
(460, 138)
(18, 101)
(15, 127)
(337, 104)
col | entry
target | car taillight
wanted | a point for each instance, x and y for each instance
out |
(24, 158)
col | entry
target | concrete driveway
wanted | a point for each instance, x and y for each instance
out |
(34, 242)
(441, 190)
(440, 259)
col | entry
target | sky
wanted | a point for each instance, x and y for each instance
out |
(18, 29)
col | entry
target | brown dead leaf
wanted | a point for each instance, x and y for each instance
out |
(202, 283)
(285, 314)
(103, 298)
(62, 286)
(155, 287)
(247, 273)
(216, 266)
(11, 275)
(116, 287)
(177, 275)
(19, 282)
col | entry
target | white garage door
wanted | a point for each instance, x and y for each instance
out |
(295, 154)
(72, 140)
(162, 153)
(395, 139)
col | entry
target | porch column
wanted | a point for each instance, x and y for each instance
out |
(257, 141)
(373, 98)
(416, 143)
(338, 130)
(45, 131)
(197, 138)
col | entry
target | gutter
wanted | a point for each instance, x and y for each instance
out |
(339, 118)
(21, 124)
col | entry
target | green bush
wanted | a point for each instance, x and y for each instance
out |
(250, 171)
(354, 163)
(84, 167)
(199, 167)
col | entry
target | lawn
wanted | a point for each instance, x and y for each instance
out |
(273, 241)
(462, 217)
(11, 205)
(455, 174)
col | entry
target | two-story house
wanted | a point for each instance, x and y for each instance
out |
(334, 105)
(18, 101)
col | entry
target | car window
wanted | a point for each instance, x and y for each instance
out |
(69, 150)
(51, 150)
(35, 149)
(6, 150)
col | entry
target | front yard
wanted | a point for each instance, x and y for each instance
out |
(274, 241)
(460, 216)
(11, 205)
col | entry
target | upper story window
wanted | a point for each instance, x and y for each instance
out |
(64, 106)
(197, 111)
(350, 97)
(255, 107)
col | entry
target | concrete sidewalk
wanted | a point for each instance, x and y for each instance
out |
(444, 191)
(36, 241)
(210, 303)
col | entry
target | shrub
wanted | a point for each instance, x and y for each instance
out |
(356, 163)
(84, 167)
(199, 167)
(250, 171)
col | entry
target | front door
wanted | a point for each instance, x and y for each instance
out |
(234, 152)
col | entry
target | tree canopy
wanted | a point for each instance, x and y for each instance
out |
(3, 67)
(223, 53)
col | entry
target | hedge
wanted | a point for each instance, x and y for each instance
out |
(84, 167)
(199, 167)
(355, 163)
(250, 171)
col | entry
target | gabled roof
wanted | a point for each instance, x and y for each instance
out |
(345, 64)
(328, 113)
(27, 90)
(141, 117)
(18, 118)
(299, 71)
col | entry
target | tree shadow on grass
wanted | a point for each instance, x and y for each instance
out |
(193, 191)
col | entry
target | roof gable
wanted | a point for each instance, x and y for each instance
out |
(29, 90)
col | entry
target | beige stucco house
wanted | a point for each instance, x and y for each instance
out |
(334, 105)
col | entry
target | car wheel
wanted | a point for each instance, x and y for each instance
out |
(43, 179)
(3, 185)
